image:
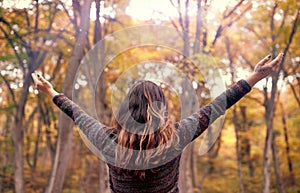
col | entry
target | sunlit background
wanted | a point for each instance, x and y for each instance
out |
(233, 39)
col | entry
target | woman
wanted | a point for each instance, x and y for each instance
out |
(141, 147)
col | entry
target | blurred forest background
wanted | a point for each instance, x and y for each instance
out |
(258, 149)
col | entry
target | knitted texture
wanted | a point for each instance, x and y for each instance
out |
(163, 179)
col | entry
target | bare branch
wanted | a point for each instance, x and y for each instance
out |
(258, 36)
(294, 93)
(10, 41)
(233, 9)
(58, 63)
(284, 17)
(254, 99)
(272, 24)
(186, 16)
(30, 118)
(72, 20)
(222, 27)
(27, 18)
(36, 24)
(240, 15)
(176, 27)
(294, 29)
(19, 37)
(247, 62)
(9, 89)
(218, 34)
(179, 13)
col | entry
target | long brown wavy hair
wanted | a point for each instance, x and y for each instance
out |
(142, 123)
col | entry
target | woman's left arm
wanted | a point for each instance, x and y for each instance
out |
(193, 126)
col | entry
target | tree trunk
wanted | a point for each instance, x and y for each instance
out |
(63, 148)
(269, 111)
(18, 154)
(5, 156)
(279, 184)
(237, 147)
(103, 177)
(287, 147)
(101, 96)
(269, 102)
(269, 115)
(198, 28)
(18, 135)
(185, 171)
(237, 125)
(186, 38)
(245, 142)
(185, 175)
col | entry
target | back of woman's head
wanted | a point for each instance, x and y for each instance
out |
(142, 123)
(146, 102)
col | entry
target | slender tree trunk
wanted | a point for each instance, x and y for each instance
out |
(287, 146)
(185, 174)
(101, 96)
(279, 184)
(196, 50)
(186, 38)
(212, 154)
(18, 137)
(5, 157)
(237, 125)
(103, 177)
(194, 168)
(186, 166)
(18, 155)
(50, 145)
(237, 147)
(269, 115)
(269, 111)
(269, 102)
(32, 164)
(36, 146)
(245, 142)
(63, 148)
(198, 28)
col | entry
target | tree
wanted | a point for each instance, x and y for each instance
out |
(65, 126)
(235, 120)
(28, 56)
(269, 103)
(188, 174)
(274, 39)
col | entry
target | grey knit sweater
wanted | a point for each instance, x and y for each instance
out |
(163, 179)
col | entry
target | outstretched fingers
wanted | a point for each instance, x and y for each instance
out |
(35, 79)
(275, 63)
(264, 61)
(42, 79)
(38, 79)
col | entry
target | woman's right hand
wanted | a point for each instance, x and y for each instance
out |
(43, 85)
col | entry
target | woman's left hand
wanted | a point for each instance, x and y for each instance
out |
(264, 68)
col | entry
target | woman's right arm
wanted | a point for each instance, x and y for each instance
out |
(90, 127)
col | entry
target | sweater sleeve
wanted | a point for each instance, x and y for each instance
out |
(91, 128)
(193, 126)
